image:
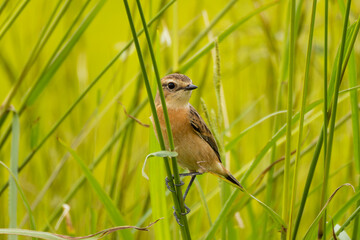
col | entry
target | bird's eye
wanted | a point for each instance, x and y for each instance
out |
(171, 85)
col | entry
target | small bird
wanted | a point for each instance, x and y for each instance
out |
(195, 144)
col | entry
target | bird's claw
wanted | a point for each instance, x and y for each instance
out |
(187, 209)
(180, 184)
(177, 219)
(185, 213)
(169, 187)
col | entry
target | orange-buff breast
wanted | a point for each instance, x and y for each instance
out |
(194, 153)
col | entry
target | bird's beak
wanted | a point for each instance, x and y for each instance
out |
(190, 87)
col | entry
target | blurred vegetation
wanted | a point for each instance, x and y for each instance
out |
(69, 71)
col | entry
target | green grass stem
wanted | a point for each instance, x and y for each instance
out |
(175, 38)
(22, 195)
(12, 18)
(302, 119)
(353, 216)
(168, 127)
(177, 195)
(53, 65)
(158, 201)
(50, 78)
(356, 132)
(325, 106)
(208, 28)
(113, 212)
(278, 173)
(253, 165)
(157, 175)
(76, 186)
(306, 150)
(78, 140)
(14, 167)
(3, 5)
(203, 199)
(286, 183)
(310, 234)
(80, 98)
(342, 211)
(192, 60)
(332, 119)
(44, 37)
(316, 155)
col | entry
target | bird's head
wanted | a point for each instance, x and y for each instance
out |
(177, 90)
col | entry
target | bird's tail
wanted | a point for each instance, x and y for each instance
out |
(233, 180)
(230, 178)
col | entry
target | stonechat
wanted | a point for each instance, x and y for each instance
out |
(195, 144)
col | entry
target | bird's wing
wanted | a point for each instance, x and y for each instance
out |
(202, 130)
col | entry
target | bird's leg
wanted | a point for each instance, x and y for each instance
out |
(181, 182)
(168, 186)
(176, 216)
(185, 194)
(193, 176)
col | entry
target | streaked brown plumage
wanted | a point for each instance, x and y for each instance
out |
(195, 144)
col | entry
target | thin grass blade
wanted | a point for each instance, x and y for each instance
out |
(109, 205)
(76, 186)
(53, 236)
(208, 28)
(302, 119)
(312, 229)
(185, 66)
(50, 71)
(162, 154)
(157, 192)
(353, 216)
(14, 157)
(333, 117)
(9, 22)
(177, 194)
(22, 195)
(80, 98)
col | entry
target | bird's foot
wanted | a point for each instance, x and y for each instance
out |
(187, 209)
(185, 213)
(169, 187)
(181, 182)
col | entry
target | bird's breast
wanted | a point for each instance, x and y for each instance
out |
(194, 153)
(179, 121)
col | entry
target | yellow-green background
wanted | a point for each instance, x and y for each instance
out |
(250, 65)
